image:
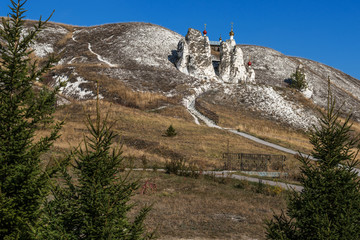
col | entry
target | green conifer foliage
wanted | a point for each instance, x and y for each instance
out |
(170, 132)
(23, 109)
(298, 80)
(93, 200)
(329, 205)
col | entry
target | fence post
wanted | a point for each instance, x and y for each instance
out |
(241, 162)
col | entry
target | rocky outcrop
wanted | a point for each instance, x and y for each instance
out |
(251, 75)
(194, 55)
(232, 68)
(195, 59)
(225, 61)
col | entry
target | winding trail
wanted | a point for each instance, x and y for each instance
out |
(197, 115)
(100, 58)
(190, 105)
(231, 174)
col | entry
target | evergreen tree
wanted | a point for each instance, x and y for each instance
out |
(329, 205)
(170, 132)
(298, 80)
(23, 108)
(94, 203)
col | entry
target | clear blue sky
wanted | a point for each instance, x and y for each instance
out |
(327, 31)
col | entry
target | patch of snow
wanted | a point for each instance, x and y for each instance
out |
(42, 49)
(101, 59)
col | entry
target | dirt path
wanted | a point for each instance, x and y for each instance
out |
(254, 179)
(231, 174)
(197, 115)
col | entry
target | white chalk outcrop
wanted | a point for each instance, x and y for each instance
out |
(232, 68)
(194, 55)
(195, 59)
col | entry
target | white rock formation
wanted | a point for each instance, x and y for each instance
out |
(225, 62)
(232, 68)
(194, 55)
(183, 55)
(195, 59)
(251, 75)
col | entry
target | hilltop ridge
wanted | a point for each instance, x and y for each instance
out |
(141, 58)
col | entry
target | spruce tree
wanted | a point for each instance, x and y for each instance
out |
(170, 132)
(329, 205)
(298, 79)
(92, 199)
(24, 107)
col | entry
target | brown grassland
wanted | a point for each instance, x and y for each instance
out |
(188, 208)
(207, 208)
(142, 134)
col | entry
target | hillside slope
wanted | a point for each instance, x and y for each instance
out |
(139, 57)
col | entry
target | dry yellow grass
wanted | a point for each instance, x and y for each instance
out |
(142, 134)
(248, 122)
(143, 131)
(185, 207)
(206, 209)
(64, 40)
(115, 89)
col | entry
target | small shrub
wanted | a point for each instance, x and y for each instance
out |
(155, 167)
(170, 132)
(144, 161)
(260, 187)
(241, 185)
(275, 190)
(181, 168)
(175, 166)
(211, 177)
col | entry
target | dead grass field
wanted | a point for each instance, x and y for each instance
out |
(142, 133)
(246, 121)
(187, 208)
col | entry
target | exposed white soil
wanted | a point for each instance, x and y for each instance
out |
(100, 58)
(75, 88)
(42, 49)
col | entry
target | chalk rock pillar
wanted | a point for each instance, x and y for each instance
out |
(194, 55)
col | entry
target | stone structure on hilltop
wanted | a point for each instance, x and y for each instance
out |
(195, 59)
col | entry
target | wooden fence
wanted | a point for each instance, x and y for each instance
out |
(254, 162)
